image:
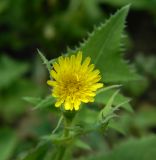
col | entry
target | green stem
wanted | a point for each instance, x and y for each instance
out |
(63, 148)
(60, 155)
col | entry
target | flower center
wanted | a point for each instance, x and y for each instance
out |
(72, 85)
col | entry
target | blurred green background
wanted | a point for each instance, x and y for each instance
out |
(52, 26)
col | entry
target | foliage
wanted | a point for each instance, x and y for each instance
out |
(31, 128)
(132, 149)
(7, 76)
(8, 143)
(13, 86)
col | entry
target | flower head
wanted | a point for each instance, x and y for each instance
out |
(74, 82)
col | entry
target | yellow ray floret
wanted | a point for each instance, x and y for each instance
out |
(74, 82)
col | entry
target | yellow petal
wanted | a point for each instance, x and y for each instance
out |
(91, 99)
(58, 103)
(53, 74)
(84, 99)
(91, 67)
(56, 66)
(86, 63)
(79, 57)
(77, 105)
(67, 105)
(60, 60)
(90, 93)
(96, 86)
(51, 83)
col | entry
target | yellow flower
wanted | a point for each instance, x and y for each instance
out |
(74, 82)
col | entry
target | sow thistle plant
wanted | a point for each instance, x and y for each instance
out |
(82, 79)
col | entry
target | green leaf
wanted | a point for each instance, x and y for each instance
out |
(32, 100)
(11, 104)
(145, 117)
(81, 144)
(87, 115)
(104, 45)
(133, 149)
(108, 108)
(10, 71)
(108, 112)
(143, 120)
(108, 88)
(116, 126)
(38, 153)
(40, 103)
(56, 138)
(8, 142)
(103, 97)
(45, 61)
(48, 101)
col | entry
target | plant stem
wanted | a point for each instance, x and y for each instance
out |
(62, 150)
(63, 147)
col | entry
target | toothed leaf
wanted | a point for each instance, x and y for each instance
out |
(104, 46)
